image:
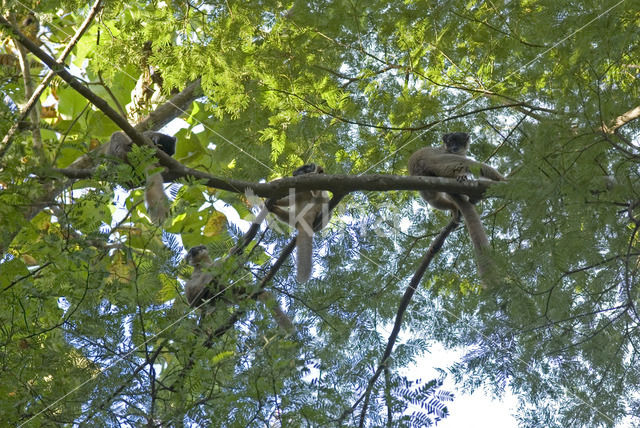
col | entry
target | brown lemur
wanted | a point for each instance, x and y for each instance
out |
(299, 210)
(203, 289)
(450, 160)
(155, 199)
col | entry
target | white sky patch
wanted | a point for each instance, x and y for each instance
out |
(175, 125)
(405, 224)
(478, 409)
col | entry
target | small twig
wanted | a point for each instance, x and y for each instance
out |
(31, 273)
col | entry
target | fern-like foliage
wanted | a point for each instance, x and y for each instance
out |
(427, 401)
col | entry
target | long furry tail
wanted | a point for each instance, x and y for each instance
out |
(278, 314)
(304, 254)
(155, 199)
(487, 270)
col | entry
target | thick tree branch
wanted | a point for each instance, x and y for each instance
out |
(165, 113)
(338, 184)
(622, 120)
(6, 141)
(176, 106)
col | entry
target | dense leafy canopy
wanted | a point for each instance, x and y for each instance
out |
(94, 328)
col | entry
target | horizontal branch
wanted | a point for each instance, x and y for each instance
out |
(421, 127)
(337, 184)
(343, 184)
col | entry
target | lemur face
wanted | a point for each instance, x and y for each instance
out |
(196, 255)
(456, 142)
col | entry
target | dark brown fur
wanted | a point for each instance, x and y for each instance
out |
(451, 161)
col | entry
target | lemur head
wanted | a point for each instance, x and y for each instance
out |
(197, 255)
(456, 143)
(309, 168)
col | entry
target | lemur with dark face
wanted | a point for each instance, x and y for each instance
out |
(451, 161)
(203, 289)
(300, 210)
(155, 199)
(120, 144)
